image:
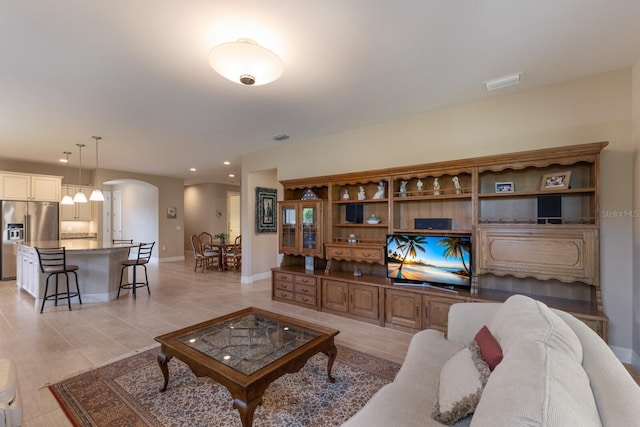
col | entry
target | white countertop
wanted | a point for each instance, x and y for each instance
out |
(75, 244)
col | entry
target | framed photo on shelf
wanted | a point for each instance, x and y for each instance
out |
(266, 210)
(556, 181)
(504, 187)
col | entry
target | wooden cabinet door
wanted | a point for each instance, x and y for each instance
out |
(15, 187)
(402, 308)
(335, 295)
(436, 312)
(364, 301)
(45, 188)
(83, 210)
(568, 255)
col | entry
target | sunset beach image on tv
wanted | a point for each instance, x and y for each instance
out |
(429, 259)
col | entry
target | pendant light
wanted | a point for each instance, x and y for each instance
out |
(80, 197)
(96, 194)
(67, 200)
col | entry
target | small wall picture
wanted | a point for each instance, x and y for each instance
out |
(172, 212)
(504, 187)
(556, 181)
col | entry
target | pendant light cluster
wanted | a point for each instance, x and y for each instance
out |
(80, 197)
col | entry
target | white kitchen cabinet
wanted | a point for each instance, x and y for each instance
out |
(28, 271)
(20, 186)
(77, 211)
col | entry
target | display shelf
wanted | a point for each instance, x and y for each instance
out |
(533, 218)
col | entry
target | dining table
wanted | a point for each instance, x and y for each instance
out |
(223, 248)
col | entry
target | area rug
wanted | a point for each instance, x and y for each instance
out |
(126, 393)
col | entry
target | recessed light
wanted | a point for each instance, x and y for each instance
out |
(63, 160)
(231, 175)
(506, 81)
(193, 169)
(280, 137)
(226, 162)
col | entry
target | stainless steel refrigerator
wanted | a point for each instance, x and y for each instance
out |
(25, 221)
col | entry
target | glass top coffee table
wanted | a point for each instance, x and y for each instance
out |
(245, 351)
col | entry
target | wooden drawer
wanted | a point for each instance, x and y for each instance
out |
(338, 252)
(366, 253)
(305, 280)
(284, 286)
(284, 277)
(305, 299)
(283, 294)
(305, 289)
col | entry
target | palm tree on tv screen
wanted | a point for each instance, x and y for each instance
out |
(456, 248)
(407, 246)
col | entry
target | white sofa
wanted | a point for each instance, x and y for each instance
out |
(10, 403)
(555, 371)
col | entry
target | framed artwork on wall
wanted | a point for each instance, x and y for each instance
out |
(266, 211)
(172, 212)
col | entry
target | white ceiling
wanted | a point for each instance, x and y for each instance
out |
(136, 72)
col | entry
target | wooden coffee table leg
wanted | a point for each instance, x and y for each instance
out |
(246, 410)
(163, 361)
(331, 352)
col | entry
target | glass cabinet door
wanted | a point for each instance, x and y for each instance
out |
(288, 235)
(301, 227)
(309, 228)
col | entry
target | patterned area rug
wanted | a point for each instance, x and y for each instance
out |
(126, 393)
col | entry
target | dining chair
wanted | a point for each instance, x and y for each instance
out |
(142, 259)
(233, 256)
(203, 258)
(53, 262)
(206, 239)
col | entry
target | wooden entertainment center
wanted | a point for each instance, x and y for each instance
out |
(533, 218)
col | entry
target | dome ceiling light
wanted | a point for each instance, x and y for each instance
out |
(245, 62)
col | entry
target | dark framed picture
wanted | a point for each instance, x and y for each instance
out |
(504, 187)
(172, 212)
(266, 210)
(556, 181)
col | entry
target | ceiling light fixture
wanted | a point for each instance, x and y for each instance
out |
(67, 199)
(80, 197)
(506, 81)
(245, 62)
(96, 194)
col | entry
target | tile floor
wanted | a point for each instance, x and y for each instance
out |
(59, 343)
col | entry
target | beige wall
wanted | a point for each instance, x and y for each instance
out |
(580, 111)
(202, 202)
(636, 211)
(259, 251)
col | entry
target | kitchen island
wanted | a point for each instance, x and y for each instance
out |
(98, 268)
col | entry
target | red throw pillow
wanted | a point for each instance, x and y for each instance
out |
(489, 347)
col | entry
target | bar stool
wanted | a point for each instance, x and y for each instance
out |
(142, 259)
(53, 261)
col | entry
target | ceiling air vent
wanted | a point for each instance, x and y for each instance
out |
(280, 137)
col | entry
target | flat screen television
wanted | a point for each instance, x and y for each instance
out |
(438, 260)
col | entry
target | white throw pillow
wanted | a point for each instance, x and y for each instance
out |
(462, 380)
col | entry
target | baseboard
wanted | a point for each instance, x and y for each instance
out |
(635, 361)
(171, 259)
(255, 277)
(625, 355)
